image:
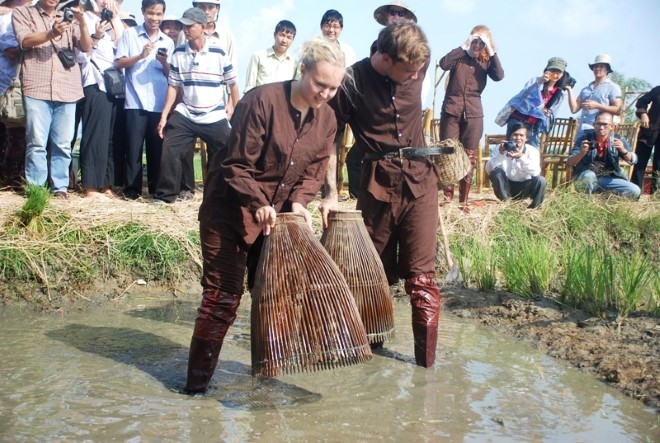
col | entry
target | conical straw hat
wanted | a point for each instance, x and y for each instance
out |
(348, 243)
(304, 317)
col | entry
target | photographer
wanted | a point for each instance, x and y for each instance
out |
(51, 86)
(540, 99)
(595, 157)
(515, 169)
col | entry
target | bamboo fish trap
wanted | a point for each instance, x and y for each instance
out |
(304, 317)
(348, 243)
(452, 167)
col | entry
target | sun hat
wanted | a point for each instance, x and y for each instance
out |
(192, 16)
(170, 18)
(381, 13)
(127, 18)
(556, 63)
(603, 59)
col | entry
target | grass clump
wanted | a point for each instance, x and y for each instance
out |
(593, 253)
(31, 213)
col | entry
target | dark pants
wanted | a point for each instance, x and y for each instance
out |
(643, 152)
(96, 147)
(468, 131)
(176, 164)
(403, 232)
(506, 189)
(141, 128)
(119, 142)
(354, 159)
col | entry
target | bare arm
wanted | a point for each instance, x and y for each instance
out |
(127, 62)
(170, 98)
(573, 103)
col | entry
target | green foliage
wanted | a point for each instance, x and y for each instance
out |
(31, 213)
(631, 85)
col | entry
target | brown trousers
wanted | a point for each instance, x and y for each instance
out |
(468, 131)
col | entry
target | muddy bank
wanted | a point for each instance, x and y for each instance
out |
(625, 357)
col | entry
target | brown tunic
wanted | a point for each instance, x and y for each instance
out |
(467, 82)
(273, 160)
(398, 198)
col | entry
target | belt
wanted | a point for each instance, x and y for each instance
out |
(409, 153)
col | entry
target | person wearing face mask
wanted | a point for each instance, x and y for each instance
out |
(595, 157)
(601, 95)
(515, 169)
(462, 116)
(540, 99)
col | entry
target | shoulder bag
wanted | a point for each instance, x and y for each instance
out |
(12, 110)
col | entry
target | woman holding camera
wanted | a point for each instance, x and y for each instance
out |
(98, 108)
(462, 116)
(540, 99)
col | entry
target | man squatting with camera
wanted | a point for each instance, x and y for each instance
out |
(595, 157)
(515, 169)
(51, 86)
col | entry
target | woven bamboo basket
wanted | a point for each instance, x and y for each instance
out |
(453, 167)
(348, 243)
(304, 317)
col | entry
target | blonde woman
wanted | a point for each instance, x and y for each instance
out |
(462, 117)
(277, 155)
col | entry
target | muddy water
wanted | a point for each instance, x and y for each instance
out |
(111, 373)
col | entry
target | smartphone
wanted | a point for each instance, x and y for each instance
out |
(162, 51)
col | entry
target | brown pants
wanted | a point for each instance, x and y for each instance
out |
(468, 131)
(403, 232)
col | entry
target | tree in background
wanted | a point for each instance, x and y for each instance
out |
(632, 89)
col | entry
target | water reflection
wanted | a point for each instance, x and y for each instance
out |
(113, 372)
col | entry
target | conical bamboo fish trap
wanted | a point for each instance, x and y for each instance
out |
(348, 243)
(304, 317)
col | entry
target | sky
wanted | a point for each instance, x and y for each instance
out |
(526, 34)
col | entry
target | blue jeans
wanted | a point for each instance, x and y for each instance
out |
(48, 120)
(590, 183)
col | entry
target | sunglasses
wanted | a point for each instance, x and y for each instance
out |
(478, 42)
(601, 124)
(401, 13)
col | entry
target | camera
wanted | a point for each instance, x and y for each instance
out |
(510, 146)
(567, 80)
(67, 15)
(106, 15)
(593, 144)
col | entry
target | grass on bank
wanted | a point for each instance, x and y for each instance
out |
(42, 247)
(593, 253)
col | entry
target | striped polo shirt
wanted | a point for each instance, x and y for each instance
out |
(202, 76)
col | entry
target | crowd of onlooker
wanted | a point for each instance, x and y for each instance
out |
(181, 85)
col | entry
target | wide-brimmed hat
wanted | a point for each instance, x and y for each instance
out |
(602, 59)
(381, 13)
(556, 63)
(192, 16)
(127, 18)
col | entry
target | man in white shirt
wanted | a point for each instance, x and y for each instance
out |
(515, 169)
(274, 64)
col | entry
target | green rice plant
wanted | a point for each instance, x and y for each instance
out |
(589, 277)
(31, 213)
(484, 266)
(146, 254)
(635, 276)
(460, 253)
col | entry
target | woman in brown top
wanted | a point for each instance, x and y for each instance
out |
(462, 115)
(278, 151)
